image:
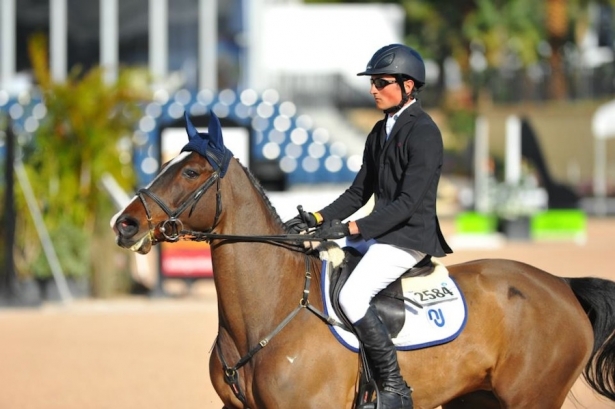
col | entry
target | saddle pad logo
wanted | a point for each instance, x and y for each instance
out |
(437, 317)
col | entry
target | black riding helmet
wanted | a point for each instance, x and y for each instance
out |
(403, 63)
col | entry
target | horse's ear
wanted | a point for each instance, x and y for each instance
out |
(209, 145)
(215, 132)
(214, 137)
(190, 129)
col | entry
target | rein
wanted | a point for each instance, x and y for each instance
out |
(292, 241)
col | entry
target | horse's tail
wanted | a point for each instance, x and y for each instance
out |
(597, 296)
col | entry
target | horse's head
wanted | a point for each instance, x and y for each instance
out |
(187, 186)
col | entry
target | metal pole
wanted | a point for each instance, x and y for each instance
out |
(208, 44)
(58, 23)
(109, 39)
(600, 182)
(481, 165)
(8, 280)
(7, 42)
(43, 234)
(158, 40)
(252, 75)
(512, 165)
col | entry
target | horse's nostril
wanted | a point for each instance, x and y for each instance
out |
(127, 226)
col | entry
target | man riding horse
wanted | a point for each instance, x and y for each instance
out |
(401, 168)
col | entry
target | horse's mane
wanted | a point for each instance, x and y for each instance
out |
(261, 191)
(272, 211)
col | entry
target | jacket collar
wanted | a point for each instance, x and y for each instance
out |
(406, 116)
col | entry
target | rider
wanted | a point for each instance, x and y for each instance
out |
(402, 162)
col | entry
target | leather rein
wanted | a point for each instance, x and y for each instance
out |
(173, 229)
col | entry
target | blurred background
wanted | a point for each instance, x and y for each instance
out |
(92, 95)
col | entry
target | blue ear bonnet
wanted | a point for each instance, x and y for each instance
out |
(209, 145)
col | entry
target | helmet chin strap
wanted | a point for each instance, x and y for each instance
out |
(404, 98)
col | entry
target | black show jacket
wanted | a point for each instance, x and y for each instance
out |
(403, 173)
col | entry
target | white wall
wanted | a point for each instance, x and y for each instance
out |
(312, 200)
(325, 38)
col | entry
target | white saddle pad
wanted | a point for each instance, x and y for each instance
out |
(442, 318)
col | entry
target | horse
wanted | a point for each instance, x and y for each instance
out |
(529, 334)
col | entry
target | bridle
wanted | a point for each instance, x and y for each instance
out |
(173, 229)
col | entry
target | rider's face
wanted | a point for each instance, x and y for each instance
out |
(386, 93)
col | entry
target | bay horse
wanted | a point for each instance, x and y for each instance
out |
(529, 334)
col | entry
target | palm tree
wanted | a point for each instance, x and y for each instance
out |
(75, 144)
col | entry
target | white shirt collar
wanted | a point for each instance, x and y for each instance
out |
(391, 119)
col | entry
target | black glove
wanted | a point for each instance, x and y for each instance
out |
(295, 226)
(308, 218)
(333, 230)
(301, 222)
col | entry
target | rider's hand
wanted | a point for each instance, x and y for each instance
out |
(301, 222)
(295, 226)
(332, 230)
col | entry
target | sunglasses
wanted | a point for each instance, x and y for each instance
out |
(381, 83)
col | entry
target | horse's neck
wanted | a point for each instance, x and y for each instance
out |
(256, 282)
(247, 210)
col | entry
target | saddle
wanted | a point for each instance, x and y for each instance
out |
(389, 303)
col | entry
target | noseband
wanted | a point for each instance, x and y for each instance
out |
(173, 228)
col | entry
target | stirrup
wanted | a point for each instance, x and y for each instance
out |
(367, 393)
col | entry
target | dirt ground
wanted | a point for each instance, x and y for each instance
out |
(138, 352)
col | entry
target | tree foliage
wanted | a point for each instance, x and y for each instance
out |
(500, 28)
(75, 144)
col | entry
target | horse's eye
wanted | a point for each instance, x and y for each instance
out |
(190, 173)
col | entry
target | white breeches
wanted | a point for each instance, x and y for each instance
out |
(380, 266)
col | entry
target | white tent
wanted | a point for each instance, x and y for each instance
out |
(603, 128)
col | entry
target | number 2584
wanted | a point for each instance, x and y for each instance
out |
(435, 293)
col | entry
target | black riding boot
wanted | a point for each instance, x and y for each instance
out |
(381, 352)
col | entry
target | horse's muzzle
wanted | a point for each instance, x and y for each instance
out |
(126, 229)
(126, 226)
